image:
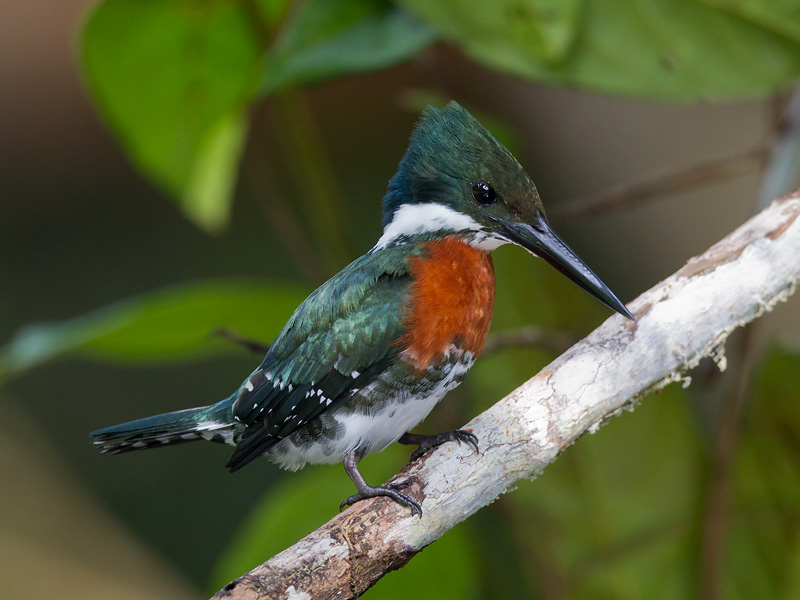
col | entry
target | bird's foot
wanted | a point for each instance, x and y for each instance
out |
(426, 442)
(390, 490)
(367, 491)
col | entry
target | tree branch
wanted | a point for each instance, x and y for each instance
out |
(684, 178)
(681, 320)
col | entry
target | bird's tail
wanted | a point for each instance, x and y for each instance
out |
(213, 423)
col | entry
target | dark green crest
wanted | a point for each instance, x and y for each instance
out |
(450, 151)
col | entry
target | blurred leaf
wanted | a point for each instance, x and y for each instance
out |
(306, 500)
(173, 324)
(667, 49)
(761, 555)
(330, 38)
(614, 514)
(780, 16)
(173, 79)
(208, 193)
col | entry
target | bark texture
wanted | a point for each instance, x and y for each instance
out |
(681, 320)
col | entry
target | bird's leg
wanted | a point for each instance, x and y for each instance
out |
(426, 442)
(251, 345)
(367, 491)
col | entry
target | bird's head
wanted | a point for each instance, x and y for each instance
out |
(457, 179)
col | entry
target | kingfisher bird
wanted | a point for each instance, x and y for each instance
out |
(368, 354)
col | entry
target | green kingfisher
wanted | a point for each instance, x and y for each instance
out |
(368, 355)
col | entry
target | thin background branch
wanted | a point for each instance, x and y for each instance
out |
(673, 181)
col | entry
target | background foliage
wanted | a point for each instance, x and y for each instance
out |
(255, 118)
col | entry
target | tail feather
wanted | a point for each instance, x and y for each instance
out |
(212, 423)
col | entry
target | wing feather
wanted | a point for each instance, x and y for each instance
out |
(337, 341)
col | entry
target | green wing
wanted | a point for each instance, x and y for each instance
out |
(337, 341)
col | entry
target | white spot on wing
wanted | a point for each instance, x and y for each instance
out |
(210, 425)
(375, 431)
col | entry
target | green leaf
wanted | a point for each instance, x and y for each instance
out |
(169, 325)
(329, 38)
(780, 16)
(613, 515)
(666, 49)
(209, 191)
(763, 538)
(173, 79)
(303, 501)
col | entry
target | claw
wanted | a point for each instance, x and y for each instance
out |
(367, 491)
(427, 442)
(418, 452)
(390, 491)
(373, 492)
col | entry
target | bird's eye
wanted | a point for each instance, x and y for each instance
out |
(484, 193)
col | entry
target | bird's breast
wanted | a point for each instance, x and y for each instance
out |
(450, 302)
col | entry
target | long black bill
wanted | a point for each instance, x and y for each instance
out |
(544, 242)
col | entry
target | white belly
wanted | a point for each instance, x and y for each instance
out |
(368, 432)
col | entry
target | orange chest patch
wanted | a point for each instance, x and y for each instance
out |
(451, 301)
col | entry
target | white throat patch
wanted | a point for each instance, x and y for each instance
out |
(414, 219)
